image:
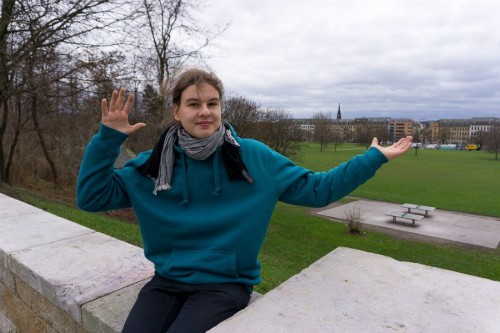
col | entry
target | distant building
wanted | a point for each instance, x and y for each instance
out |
(443, 131)
(482, 124)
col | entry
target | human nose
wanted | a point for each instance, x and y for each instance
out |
(204, 110)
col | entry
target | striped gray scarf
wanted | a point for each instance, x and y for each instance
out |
(198, 149)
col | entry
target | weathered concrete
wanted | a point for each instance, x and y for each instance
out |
(108, 314)
(51, 267)
(57, 276)
(452, 226)
(74, 271)
(354, 291)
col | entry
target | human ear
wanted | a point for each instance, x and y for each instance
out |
(176, 113)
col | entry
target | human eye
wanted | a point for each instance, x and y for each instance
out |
(213, 103)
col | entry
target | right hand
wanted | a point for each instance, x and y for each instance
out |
(116, 116)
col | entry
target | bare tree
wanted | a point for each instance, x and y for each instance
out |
(20, 122)
(243, 114)
(337, 136)
(155, 113)
(174, 36)
(30, 29)
(480, 138)
(492, 140)
(278, 131)
(426, 135)
(417, 139)
(364, 134)
(322, 129)
(444, 135)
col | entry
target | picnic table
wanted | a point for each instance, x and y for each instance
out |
(404, 215)
(426, 209)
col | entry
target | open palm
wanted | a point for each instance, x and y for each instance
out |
(116, 115)
(394, 150)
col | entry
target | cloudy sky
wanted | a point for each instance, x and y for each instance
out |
(422, 59)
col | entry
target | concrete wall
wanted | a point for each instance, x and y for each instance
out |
(57, 276)
(355, 291)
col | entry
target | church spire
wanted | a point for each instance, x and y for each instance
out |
(339, 115)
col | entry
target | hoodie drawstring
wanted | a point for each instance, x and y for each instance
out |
(215, 166)
(185, 194)
(216, 174)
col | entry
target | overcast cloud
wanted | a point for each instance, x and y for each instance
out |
(428, 59)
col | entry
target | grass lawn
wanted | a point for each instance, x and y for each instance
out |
(466, 181)
(452, 180)
(296, 239)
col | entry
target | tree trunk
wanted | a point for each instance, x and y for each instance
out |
(3, 127)
(7, 10)
(43, 143)
(15, 140)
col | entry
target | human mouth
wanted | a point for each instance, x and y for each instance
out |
(204, 123)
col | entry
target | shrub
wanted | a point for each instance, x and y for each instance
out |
(354, 220)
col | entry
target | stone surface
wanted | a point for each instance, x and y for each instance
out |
(108, 314)
(22, 316)
(56, 276)
(354, 291)
(439, 224)
(74, 271)
(50, 267)
(54, 317)
(11, 207)
(6, 326)
(35, 228)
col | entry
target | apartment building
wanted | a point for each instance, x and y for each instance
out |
(443, 131)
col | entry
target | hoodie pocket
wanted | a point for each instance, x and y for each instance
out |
(185, 263)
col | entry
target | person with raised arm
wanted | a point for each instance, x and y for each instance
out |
(203, 198)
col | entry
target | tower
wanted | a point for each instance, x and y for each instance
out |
(339, 115)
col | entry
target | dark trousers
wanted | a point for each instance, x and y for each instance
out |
(167, 306)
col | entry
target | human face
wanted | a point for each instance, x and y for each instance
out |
(199, 111)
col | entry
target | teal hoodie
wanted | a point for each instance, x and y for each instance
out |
(208, 229)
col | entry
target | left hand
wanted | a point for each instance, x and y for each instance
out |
(394, 150)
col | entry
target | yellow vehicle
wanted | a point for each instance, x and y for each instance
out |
(471, 146)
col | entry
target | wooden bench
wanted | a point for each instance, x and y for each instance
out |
(426, 209)
(403, 215)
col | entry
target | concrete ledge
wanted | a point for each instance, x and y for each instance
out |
(108, 314)
(57, 276)
(47, 262)
(355, 291)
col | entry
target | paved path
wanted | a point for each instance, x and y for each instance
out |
(451, 226)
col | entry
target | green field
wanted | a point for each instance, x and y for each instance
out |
(452, 180)
(467, 181)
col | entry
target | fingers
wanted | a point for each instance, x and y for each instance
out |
(112, 102)
(374, 141)
(404, 141)
(129, 104)
(121, 98)
(116, 102)
(403, 144)
(104, 107)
